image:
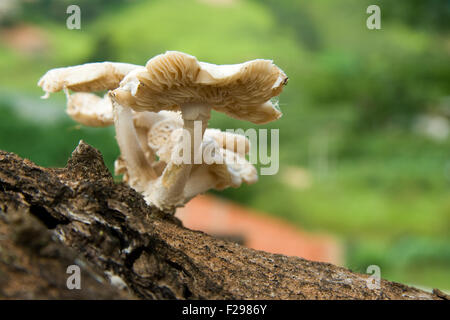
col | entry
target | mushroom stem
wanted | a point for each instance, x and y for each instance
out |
(192, 114)
(130, 147)
(141, 134)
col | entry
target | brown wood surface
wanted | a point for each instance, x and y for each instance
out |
(52, 218)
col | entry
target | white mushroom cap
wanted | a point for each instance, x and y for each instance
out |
(87, 77)
(201, 178)
(173, 79)
(239, 170)
(159, 135)
(146, 120)
(231, 141)
(86, 108)
(229, 170)
(90, 109)
(165, 135)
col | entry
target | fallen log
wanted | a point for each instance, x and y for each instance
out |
(82, 217)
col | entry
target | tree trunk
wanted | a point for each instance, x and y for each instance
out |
(77, 215)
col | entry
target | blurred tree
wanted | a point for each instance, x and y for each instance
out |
(294, 14)
(401, 88)
(56, 9)
(104, 49)
(430, 14)
(386, 82)
(9, 12)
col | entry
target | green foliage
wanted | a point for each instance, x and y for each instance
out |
(388, 76)
(430, 15)
(402, 259)
(48, 142)
(56, 9)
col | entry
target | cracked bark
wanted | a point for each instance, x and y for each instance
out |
(51, 218)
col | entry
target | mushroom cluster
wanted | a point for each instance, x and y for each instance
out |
(160, 112)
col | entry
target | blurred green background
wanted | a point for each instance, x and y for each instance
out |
(364, 139)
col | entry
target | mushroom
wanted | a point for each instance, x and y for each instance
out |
(131, 150)
(90, 109)
(85, 107)
(231, 141)
(140, 102)
(176, 81)
(89, 77)
(165, 135)
(144, 122)
(163, 131)
(94, 111)
(229, 169)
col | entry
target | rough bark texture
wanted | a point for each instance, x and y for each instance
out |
(52, 218)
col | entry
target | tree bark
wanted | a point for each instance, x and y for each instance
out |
(53, 218)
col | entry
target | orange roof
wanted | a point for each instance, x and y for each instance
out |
(259, 231)
(27, 39)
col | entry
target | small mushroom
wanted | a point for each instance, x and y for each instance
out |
(101, 76)
(231, 141)
(164, 134)
(144, 122)
(229, 170)
(90, 109)
(85, 107)
(176, 81)
(89, 77)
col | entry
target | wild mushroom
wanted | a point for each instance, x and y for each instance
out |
(90, 109)
(144, 122)
(231, 141)
(176, 81)
(173, 81)
(163, 135)
(163, 131)
(89, 77)
(87, 108)
(94, 111)
(229, 169)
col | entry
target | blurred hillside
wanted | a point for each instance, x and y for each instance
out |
(364, 139)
